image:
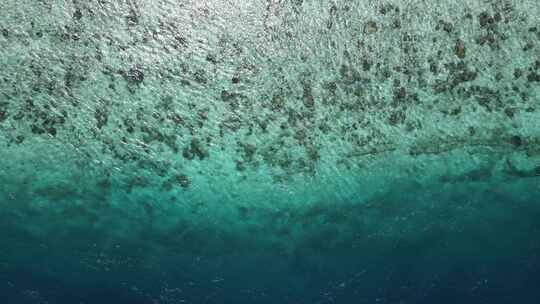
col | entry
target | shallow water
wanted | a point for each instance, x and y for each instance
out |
(269, 151)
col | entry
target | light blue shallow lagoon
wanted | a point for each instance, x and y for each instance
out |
(269, 151)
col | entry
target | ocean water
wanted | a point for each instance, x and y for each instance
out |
(269, 151)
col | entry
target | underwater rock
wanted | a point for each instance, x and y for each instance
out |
(371, 27)
(460, 49)
(134, 75)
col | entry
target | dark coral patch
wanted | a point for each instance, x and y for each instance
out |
(183, 180)
(516, 140)
(194, 149)
(134, 75)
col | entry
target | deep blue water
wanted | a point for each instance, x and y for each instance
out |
(495, 259)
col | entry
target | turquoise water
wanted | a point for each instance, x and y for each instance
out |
(269, 151)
